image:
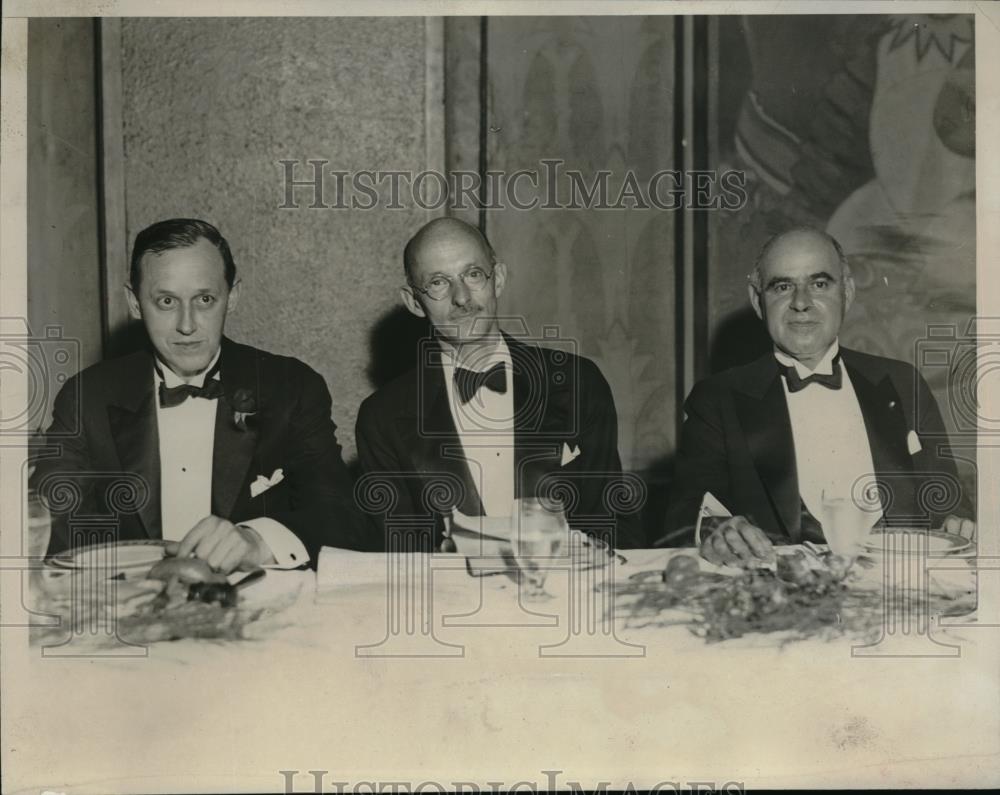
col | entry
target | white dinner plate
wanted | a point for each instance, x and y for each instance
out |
(123, 556)
(938, 542)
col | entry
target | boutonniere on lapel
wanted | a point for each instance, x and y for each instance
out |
(244, 409)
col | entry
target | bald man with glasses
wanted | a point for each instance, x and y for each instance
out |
(503, 418)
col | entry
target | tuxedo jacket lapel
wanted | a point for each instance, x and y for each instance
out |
(530, 388)
(763, 414)
(234, 446)
(540, 418)
(885, 421)
(233, 452)
(132, 419)
(434, 439)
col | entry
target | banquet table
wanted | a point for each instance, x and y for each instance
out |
(399, 672)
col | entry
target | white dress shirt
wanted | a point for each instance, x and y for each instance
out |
(485, 428)
(187, 445)
(828, 430)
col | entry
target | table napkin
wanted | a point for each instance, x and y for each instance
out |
(345, 568)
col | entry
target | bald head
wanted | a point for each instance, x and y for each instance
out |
(800, 242)
(443, 230)
(454, 280)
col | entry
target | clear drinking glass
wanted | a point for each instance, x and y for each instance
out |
(539, 534)
(846, 525)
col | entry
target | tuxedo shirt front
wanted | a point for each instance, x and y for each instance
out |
(187, 446)
(832, 454)
(485, 427)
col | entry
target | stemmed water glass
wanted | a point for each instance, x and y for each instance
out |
(540, 530)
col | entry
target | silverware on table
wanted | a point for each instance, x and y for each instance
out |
(815, 550)
(251, 578)
(590, 541)
(819, 553)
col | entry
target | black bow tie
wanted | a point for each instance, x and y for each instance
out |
(174, 396)
(832, 381)
(469, 381)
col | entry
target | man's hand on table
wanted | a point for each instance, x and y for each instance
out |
(223, 546)
(960, 527)
(734, 541)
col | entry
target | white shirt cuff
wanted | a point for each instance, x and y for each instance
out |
(287, 548)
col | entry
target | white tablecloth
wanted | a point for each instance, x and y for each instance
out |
(489, 692)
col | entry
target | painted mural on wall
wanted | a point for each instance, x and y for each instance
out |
(590, 91)
(910, 228)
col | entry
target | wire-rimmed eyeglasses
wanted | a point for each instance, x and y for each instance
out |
(440, 286)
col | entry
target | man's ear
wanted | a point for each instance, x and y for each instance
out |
(499, 277)
(234, 296)
(411, 302)
(755, 302)
(849, 292)
(133, 302)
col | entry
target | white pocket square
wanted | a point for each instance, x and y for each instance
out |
(568, 455)
(913, 443)
(262, 484)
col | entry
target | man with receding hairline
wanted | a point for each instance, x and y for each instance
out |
(770, 441)
(484, 409)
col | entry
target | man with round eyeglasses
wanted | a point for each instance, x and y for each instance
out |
(497, 416)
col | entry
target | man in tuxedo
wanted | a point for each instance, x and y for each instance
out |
(234, 448)
(485, 417)
(771, 440)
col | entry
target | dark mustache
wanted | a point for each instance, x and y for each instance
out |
(465, 312)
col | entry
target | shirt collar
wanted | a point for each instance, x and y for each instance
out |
(171, 379)
(824, 366)
(482, 361)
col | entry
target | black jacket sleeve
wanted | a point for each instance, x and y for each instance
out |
(322, 509)
(701, 465)
(602, 487)
(61, 467)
